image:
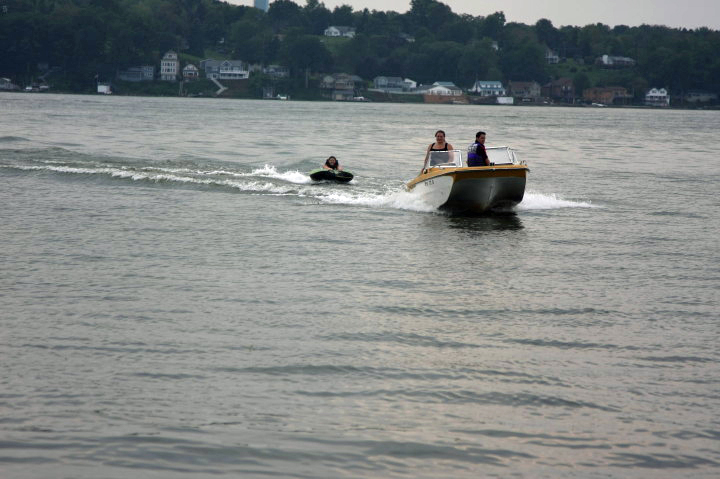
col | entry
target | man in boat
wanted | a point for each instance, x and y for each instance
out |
(477, 156)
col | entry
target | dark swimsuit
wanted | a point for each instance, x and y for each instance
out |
(433, 149)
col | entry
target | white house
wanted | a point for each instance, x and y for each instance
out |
(488, 88)
(169, 66)
(233, 70)
(410, 85)
(226, 69)
(7, 84)
(610, 61)
(442, 88)
(551, 57)
(335, 31)
(657, 97)
(190, 72)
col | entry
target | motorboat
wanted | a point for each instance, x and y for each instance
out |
(446, 183)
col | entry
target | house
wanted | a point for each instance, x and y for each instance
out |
(333, 31)
(190, 72)
(136, 74)
(276, 71)
(657, 97)
(561, 89)
(609, 61)
(341, 86)
(225, 69)
(525, 90)
(551, 57)
(388, 83)
(610, 95)
(410, 85)
(7, 85)
(443, 88)
(104, 88)
(488, 88)
(169, 66)
(695, 96)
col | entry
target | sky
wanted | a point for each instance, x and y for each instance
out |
(672, 13)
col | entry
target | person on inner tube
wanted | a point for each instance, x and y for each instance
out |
(332, 164)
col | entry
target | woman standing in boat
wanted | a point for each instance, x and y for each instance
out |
(439, 145)
(332, 164)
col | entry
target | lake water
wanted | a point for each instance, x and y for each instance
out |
(179, 300)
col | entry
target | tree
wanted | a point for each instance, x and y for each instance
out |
(343, 16)
(581, 82)
(304, 53)
(493, 25)
(547, 33)
(284, 14)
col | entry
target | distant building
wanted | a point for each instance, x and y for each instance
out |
(7, 85)
(657, 97)
(334, 31)
(388, 83)
(443, 88)
(341, 86)
(104, 88)
(190, 72)
(169, 66)
(561, 89)
(136, 74)
(276, 71)
(551, 57)
(226, 69)
(525, 90)
(695, 96)
(262, 5)
(609, 61)
(488, 88)
(611, 95)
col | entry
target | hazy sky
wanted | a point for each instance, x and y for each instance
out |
(673, 13)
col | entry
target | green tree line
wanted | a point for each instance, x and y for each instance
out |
(427, 43)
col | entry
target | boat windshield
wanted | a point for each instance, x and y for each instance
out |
(502, 155)
(444, 159)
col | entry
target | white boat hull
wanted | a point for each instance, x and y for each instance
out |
(471, 190)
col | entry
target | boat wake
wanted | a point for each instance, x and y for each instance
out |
(261, 180)
(268, 180)
(538, 201)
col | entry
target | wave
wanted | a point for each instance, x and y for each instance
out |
(539, 201)
(10, 139)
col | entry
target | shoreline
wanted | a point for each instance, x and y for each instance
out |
(389, 100)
